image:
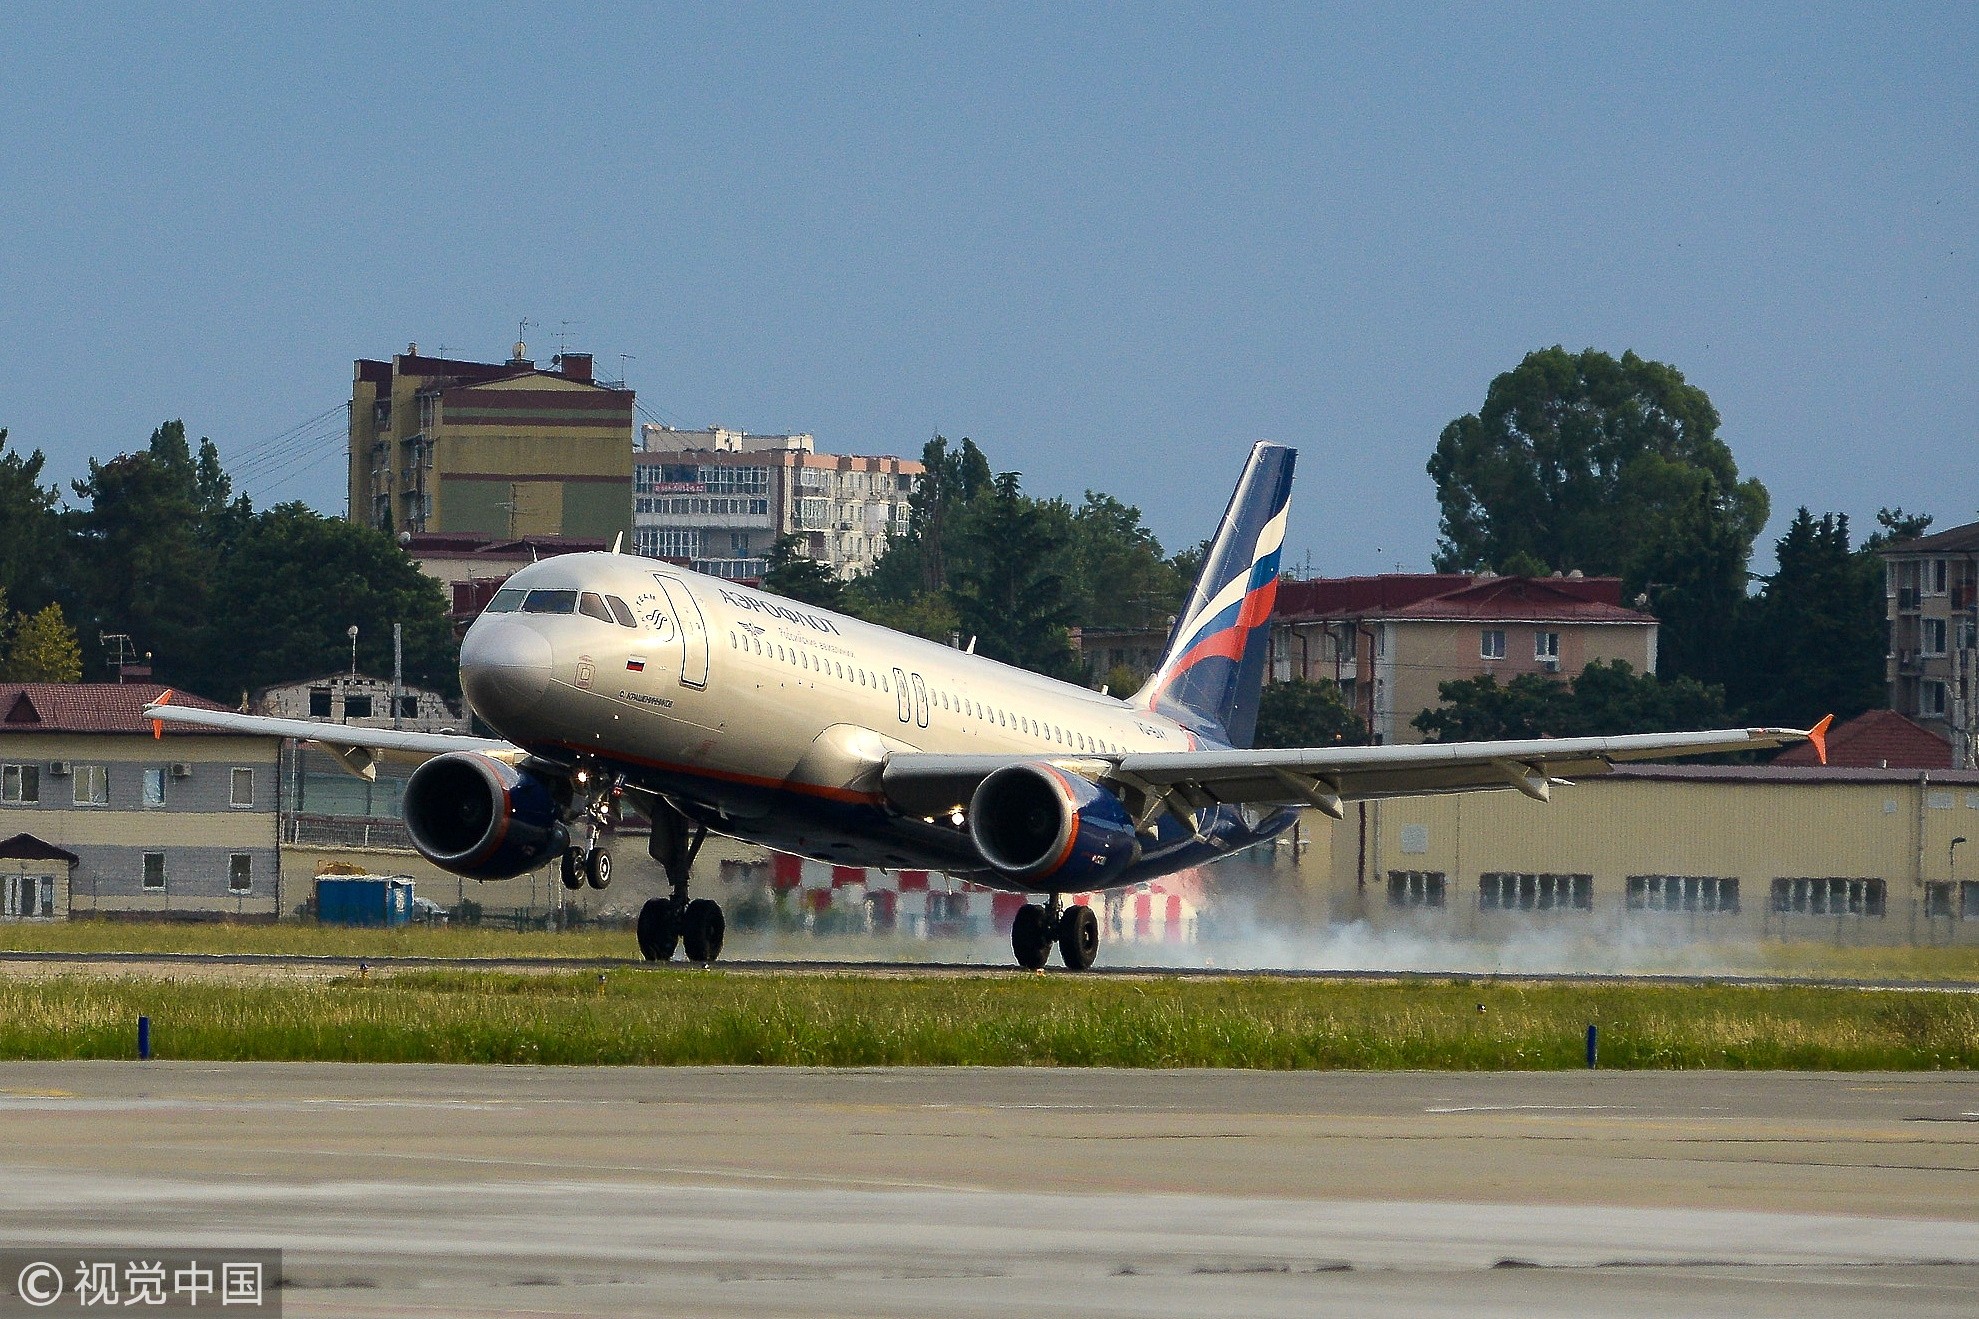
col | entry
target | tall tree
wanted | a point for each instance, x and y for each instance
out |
(1118, 577)
(1815, 635)
(1611, 466)
(1009, 592)
(148, 548)
(30, 528)
(295, 581)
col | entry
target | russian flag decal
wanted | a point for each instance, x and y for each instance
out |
(637, 664)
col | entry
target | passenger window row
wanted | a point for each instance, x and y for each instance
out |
(798, 657)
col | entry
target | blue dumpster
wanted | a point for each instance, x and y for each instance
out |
(363, 899)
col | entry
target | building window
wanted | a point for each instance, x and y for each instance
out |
(243, 788)
(30, 896)
(1934, 636)
(154, 871)
(1546, 647)
(1706, 893)
(1934, 577)
(319, 702)
(1415, 888)
(240, 872)
(20, 785)
(1968, 900)
(1931, 699)
(1828, 897)
(408, 707)
(1492, 645)
(154, 787)
(91, 786)
(357, 707)
(1506, 891)
(1938, 900)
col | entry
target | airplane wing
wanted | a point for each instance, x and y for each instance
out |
(1325, 777)
(357, 750)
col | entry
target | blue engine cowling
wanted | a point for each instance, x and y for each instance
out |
(482, 818)
(1055, 832)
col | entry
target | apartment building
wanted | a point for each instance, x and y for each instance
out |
(106, 819)
(1931, 599)
(1389, 641)
(501, 448)
(720, 499)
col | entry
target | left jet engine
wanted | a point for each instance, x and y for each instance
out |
(482, 818)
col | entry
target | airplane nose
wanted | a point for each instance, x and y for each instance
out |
(504, 669)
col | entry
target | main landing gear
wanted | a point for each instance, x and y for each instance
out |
(1074, 929)
(695, 926)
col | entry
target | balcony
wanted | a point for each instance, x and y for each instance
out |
(1907, 600)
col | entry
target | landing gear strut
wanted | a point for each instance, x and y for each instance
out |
(591, 863)
(695, 925)
(1074, 929)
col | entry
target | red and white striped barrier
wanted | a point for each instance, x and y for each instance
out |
(932, 905)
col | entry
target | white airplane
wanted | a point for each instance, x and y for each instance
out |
(716, 708)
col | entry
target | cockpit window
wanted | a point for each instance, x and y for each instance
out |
(506, 601)
(550, 602)
(593, 605)
(621, 611)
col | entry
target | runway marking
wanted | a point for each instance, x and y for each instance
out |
(1530, 1108)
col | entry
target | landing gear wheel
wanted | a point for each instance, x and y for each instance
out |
(598, 868)
(1078, 938)
(572, 872)
(657, 930)
(1030, 936)
(701, 928)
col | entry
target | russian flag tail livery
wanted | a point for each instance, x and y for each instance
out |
(1210, 674)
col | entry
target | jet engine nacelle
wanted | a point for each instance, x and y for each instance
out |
(481, 817)
(1037, 825)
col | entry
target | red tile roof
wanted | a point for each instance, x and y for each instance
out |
(88, 707)
(1459, 597)
(1880, 739)
(1964, 539)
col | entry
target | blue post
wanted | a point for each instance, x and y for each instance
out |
(144, 1037)
(1591, 1033)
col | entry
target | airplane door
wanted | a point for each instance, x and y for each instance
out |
(920, 701)
(903, 699)
(693, 633)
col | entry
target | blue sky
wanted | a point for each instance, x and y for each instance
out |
(1112, 244)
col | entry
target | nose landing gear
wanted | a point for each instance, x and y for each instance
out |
(697, 926)
(1074, 929)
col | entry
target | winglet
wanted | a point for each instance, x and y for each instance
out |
(1818, 735)
(158, 725)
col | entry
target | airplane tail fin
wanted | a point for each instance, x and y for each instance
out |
(1211, 673)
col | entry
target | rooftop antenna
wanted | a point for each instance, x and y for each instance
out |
(623, 358)
(563, 333)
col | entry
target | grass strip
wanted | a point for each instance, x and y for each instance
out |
(651, 1017)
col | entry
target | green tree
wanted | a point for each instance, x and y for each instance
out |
(1893, 524)
(1118, 577)
(42, 648)
(1613, 466)
(148, 546)
(30, 528)
(1605, 700)
(1008, 591)
(796, 576)
(928, 614)
(1301, 713)
(293, 583)
(1815, 635)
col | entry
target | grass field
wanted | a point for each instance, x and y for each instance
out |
(711, 1017)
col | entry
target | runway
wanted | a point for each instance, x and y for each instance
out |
(307, 964)
(581, 1191)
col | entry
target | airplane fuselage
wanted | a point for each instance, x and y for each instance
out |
(769, 720)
